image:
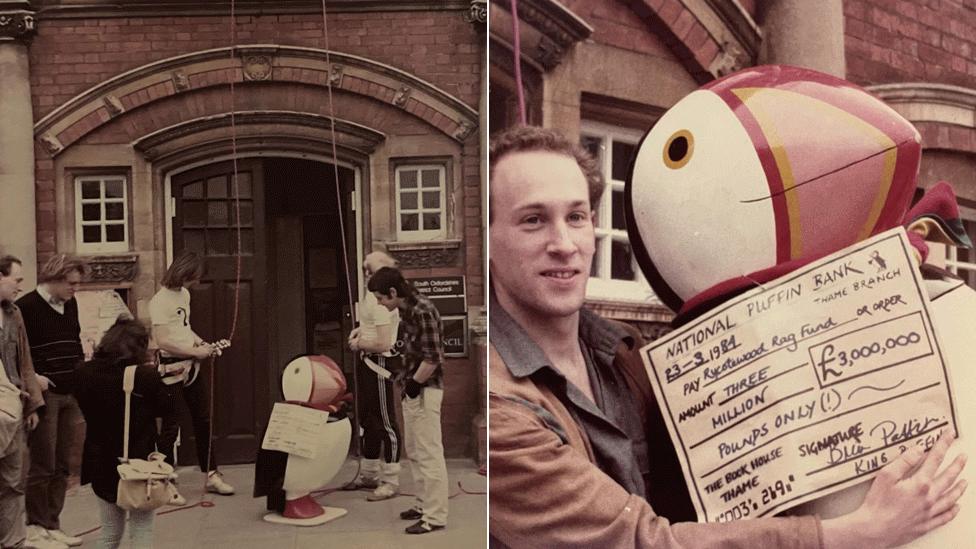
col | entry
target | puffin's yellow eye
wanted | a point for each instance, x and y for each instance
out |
(678, 149)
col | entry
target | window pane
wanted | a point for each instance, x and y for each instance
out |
(595, 265)
(619, 221)
(432, 200)
(621, 262)
(432, 178)
(193, 190)
(115, 210)
(247, 242)
(218, 242)
(217, 213)
(91, 189)
(217, 187)
(408, 179)
(91, 212)
(243, 185)
(91, 233)
(247, 213)
(591, 144)
(432, 221)
(194, 214)
(622, 153)
(114, 189)
(115, 233)
(408, 201)
(194, 241)
(408, 222)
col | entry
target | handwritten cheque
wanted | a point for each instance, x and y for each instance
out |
(806, 386)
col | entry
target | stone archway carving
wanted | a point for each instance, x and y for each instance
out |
(253, 63)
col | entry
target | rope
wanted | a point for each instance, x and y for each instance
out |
(342, 221)
(517, 52)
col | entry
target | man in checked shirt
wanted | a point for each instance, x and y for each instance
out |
(423, 353)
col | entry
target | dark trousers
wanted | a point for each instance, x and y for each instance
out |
(197, 399)
(378, 416)
(50, 447)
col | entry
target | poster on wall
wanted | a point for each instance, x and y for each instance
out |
(805, 386)
(97, 311)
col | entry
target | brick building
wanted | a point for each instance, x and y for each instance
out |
(122, 120)
(605, 70)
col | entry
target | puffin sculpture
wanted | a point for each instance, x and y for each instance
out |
(766, 170)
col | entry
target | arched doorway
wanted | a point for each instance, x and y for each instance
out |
(293, 285)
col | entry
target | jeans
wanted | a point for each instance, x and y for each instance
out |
(50, 446)
(197, 399)
(13, 519)
(113, 526)
(422, 424)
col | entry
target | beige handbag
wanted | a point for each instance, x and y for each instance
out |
(11, 410)
(144, 484)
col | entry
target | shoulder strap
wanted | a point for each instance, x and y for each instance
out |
(128, 383)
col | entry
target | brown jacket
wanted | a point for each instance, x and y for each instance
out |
(31, 388)
(546, 490)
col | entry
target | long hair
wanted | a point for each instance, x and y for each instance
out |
(127, 339)
(186, 266)
(389, 278)
(59, 267)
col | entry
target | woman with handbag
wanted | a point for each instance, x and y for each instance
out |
(99, 390)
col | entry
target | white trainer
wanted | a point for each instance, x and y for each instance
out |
(384, 491)
(39, 538)
(60, 535)
(216, 484)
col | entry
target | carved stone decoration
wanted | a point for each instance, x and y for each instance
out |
(464, 130)
(17, 25)
(335, 74)
(257, 67)
(52, 144)
(113, 105)
(549, 53)
(112, 268)
(729, 59)
(427, 257)
(477, 12)
(181, 82)
(400, 99)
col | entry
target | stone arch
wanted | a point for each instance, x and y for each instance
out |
(944, 115)
(303, 66)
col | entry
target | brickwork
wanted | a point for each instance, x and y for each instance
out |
(910, 41)
(71, 55)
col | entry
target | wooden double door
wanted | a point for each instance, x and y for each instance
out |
(206, 221)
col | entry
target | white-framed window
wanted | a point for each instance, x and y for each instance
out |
(101, 213)
(421, 212)
(614, 274)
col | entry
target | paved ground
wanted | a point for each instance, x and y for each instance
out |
(235, 521)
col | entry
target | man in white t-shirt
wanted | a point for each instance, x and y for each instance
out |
(181, 351)
(376, 339)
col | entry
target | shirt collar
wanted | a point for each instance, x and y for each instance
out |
(46, 295)
(524, 357)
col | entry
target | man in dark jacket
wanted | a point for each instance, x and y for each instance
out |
(51, 319)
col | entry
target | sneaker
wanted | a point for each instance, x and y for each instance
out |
(216, 484)
(384, 491)
(412, 514)
(360, 483)
(177, 500)
(39, 538)
(423, 527)
(60, 535)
